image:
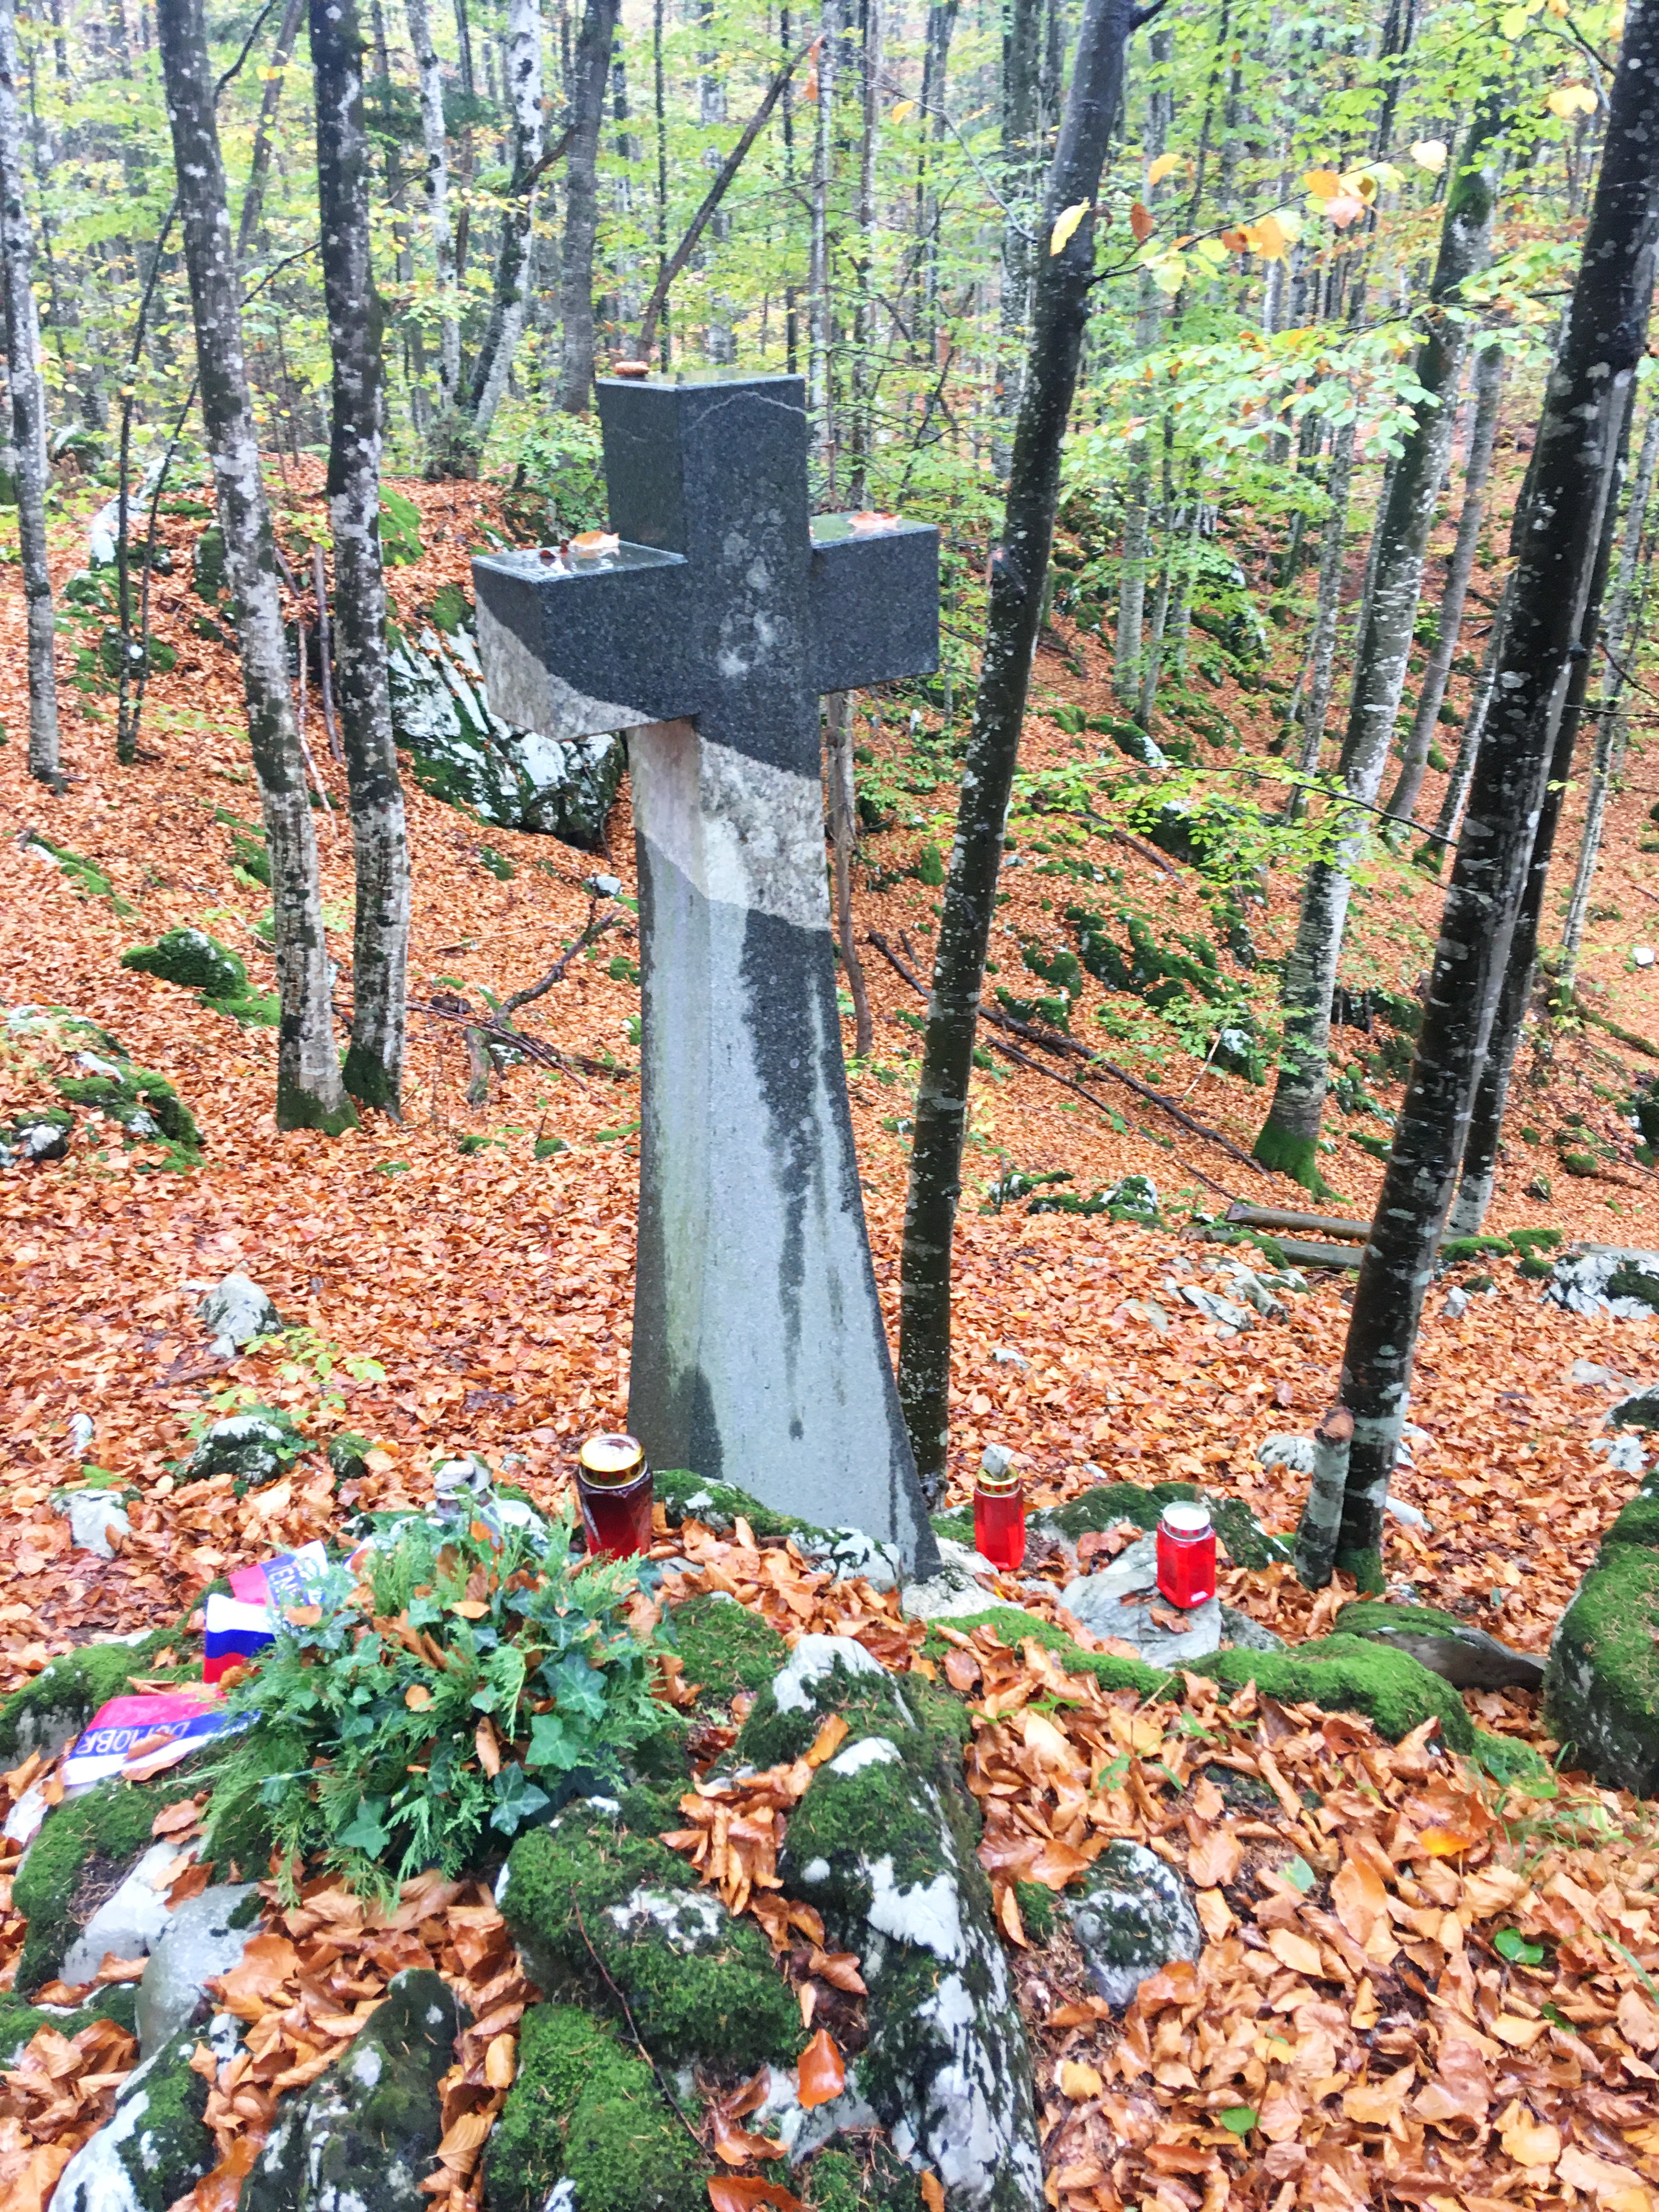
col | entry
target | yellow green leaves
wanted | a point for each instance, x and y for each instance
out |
(1065, 224)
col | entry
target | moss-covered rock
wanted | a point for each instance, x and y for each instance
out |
(884, 1845)
(1602, 1686)
(874, 2181)
(1131, 1914)
(145, 1104)
(726, 1647)
(20, 2020)
(585, 2109)
(1460, 1654)
(46, 1713)
(76, 1861)
(687, 1496)
(1345, 1674)
(195, 961)
(1015, 1627)
(155, 2145)
(702, 1987)
(254, 1447)
(364, 2136)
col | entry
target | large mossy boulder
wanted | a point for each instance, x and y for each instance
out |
(253, 1447)
(195, 961)
(364, 2136)
(1602, 1686)
(1104, 1504)
(586, 2110)
(85, 1850)
(464, 753)
(47, 1712)
(597, 1904)
(884, 1845)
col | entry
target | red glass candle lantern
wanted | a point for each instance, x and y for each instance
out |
(1000, 1519)
(1186, 1554)
(614, 1485)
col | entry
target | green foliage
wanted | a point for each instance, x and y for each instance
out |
(196, 960)
(450, 1639)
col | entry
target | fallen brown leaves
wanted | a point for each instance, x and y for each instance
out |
(1354, 2024)
(316, 1973)
(61, 2090)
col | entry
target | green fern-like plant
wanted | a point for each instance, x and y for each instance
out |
(431, 1704)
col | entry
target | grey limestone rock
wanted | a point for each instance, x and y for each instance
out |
(1242, 1633)
(1296, 1453)
(1117, 1601)
(204, 1937)
(1616, 1280)
(955, 1590)
(235, 1311)
(882, 1845)
(363, 2136)
(93, 1516)
(1213, 1307)
(463, 751)
(1131, 1914)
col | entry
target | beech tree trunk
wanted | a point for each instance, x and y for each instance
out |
(1491, 1090)
(590, 74)
(1488, 385)
(1019, 566)
(28, 414)
(506, 308)
(253, 199)
(309, 1091)
(820, 398)
(1585, 405)
(865, 366)
(436, 185)
(1328, 603)
(380, 945)
(1022, 56)
(1619, 643)
(1289, 1137)
(1469, 747)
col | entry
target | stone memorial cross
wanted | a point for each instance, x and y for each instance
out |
(708, 629)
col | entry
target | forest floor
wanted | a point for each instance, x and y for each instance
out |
(492, 1288)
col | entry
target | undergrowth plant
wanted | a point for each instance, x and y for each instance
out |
(418, 1715)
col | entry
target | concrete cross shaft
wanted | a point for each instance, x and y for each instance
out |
(708, 633)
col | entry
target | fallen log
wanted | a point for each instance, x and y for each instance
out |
(1272, 1217)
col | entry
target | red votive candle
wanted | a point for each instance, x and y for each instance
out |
(1000, 1519)
(1186, 1554)
(614, 1485)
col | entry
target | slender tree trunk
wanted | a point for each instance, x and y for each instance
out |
(1289, 1138)
(590, 73)
(1584, 411)
(820, 396)
(1327, 599)
(1469, 749)
(1491, 1090)
(935, 70)
(380, 945)
(309, 1091)
(1488, 385)
(28, 415)
(1619, 646)
(506, 308)
(864, 316)
(844, 831)
(720, 344)
(436, 185)
(1019, 571)
(659, 108)
(265, 130)
(1022, 57)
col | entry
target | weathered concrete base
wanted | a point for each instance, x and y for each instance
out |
(759, 1354)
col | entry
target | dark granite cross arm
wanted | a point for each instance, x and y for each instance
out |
(718, 600)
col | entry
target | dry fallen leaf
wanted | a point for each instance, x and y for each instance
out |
(820, 2072)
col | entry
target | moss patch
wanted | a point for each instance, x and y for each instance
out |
(1103, 1505)
(169, 2147)
(726, 1648)
(61, 1699)
(19, 2021)
(684, 1496)
(1345, 1674)
(582, 2106)
(1015, 1628)
(1369, 1617)
(875, 2180)
(701, 1986)
(197, 962)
